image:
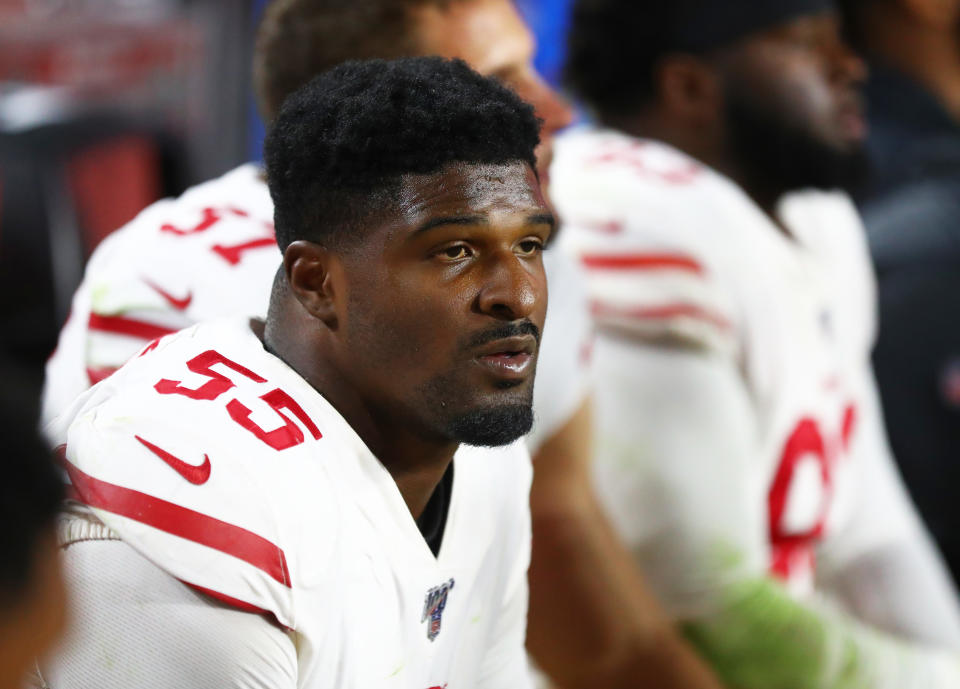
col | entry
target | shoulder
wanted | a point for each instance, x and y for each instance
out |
(170, 258)
(630, 173)
(202, 453)
(654, 233)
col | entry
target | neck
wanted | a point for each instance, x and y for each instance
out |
(415, 459)
(927, 53)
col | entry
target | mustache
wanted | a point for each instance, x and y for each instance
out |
(524, 327)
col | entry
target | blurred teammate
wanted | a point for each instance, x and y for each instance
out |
(740, 448)
(32, 599)
(911, 207)
(405, 322)
(211, 253)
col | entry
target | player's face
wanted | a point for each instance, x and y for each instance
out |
(793, 101)
(446, 303)
(491, 37)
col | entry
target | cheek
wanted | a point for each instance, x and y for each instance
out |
(405, 326)
(804, 95)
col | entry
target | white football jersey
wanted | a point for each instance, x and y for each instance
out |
(222, 466)
(738, 429)
(211, 254)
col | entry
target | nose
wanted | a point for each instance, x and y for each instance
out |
(512, 288)
(848, 65)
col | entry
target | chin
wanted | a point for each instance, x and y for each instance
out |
(491, 426)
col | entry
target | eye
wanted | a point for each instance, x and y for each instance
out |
(455, 252)
(529, 247)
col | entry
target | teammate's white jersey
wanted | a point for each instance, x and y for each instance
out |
(224, 468)
(211, 254)
(765, 450)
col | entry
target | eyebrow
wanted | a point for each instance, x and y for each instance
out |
(537, 219)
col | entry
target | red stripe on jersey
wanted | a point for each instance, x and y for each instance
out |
(642, 262)
(239, 604)
(95, 375)
(127, 326)
(664, 312)
(183, 522)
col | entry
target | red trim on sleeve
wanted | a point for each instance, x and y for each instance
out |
(95, 375)
(663, 312)
(183, 522)
(239, 604)
(642, 262)
(127, 326)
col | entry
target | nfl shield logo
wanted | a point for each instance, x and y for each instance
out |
(433, 606)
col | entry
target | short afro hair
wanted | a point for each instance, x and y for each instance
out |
(299, 39)
(339, 147)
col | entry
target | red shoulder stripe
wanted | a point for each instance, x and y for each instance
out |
(183, 522)
(662, 312)
(127, 326)
(95, 375)
(239, 604)
(642, 262)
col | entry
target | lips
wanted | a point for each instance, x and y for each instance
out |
(851, 117)
(509, 358)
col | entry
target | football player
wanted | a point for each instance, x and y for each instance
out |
(303, 466)
(211, 253)
(740, 447)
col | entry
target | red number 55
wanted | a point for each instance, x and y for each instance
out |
(286, 436)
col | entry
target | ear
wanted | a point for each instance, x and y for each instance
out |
(689, 89)
(312, 274)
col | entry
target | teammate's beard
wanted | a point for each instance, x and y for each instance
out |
(782, 156)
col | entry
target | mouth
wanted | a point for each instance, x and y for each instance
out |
(511, 358)
(852, 120)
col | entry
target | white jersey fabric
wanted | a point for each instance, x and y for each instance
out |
(738, 431)
(221, 466)
(210, 254)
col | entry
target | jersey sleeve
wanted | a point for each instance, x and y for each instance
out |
(159, 633)
(637, 223)
(505, 664)
(179, 262)
(695, 523)
(880, 560)
(182, 478)
(677, 443)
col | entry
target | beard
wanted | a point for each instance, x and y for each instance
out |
(784, 156)
(490, 424)
(460, 417)
(491, 427)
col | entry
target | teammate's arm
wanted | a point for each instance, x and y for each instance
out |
(593, 621)
(137, 627)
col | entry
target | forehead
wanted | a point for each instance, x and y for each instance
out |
(810, 31)
(489, 35)
(464, 189)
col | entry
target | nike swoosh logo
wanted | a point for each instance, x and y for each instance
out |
(197, 475)
(180, 304)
